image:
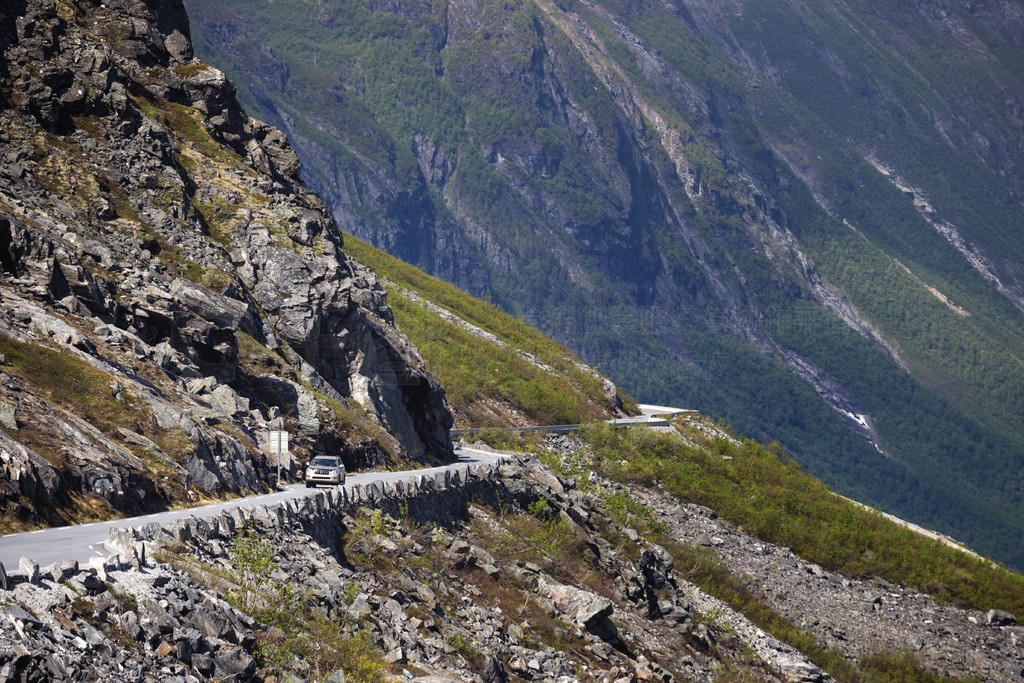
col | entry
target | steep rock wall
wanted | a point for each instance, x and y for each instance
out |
(152, 230)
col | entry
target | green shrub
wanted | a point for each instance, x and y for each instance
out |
(253, 560)
(381, 525)
(297, 629)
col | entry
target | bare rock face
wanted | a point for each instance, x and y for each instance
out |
(331, 311)
(152, 233)
(584, 608)
(26, 475)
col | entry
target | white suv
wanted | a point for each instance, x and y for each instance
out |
(325, 469)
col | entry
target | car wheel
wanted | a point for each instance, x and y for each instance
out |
(310, 486)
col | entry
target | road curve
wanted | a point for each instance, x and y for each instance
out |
(652, 416)
(83, 541)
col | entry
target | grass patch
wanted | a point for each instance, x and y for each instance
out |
(763, 491)
(174, 442)
(899, 667)
(570, 394)
(189, 70)
(474, 370)
(361, 543)
(185, 123)
(42, 442)
(522, 441)
(73, 384)
(88, 507)
(321, 642)
(255, 358)
(216, 279)
(220, 217)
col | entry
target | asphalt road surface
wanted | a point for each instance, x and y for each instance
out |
(83, 541)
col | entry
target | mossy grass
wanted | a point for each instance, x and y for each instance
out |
(476, 372)
(71, 383)
(762, 490)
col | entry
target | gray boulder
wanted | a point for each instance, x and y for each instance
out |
(997, 617)
(29, 569)
(585, 609)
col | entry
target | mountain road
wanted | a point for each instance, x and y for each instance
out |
(83, 541)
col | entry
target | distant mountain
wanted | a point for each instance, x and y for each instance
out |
(801, 219)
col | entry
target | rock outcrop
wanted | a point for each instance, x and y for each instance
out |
(160, 241)
(437, 576)
(427, 582)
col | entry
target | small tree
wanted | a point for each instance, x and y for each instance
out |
(295, 630)
(253, 560)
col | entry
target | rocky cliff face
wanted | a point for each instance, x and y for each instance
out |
(170, 290)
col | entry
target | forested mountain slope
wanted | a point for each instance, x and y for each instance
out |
(802, 219)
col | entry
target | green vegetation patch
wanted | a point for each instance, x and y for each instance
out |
(221, 218)
(71, 383)
(183, 122)
(474, 370)
(760, 489)
(189, 70)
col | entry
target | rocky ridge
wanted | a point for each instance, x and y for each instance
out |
(431, 579)
(157, 247)
(435, 596)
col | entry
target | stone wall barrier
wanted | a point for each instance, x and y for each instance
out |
(441, 498)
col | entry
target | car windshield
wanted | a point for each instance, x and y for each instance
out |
(324, 462)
